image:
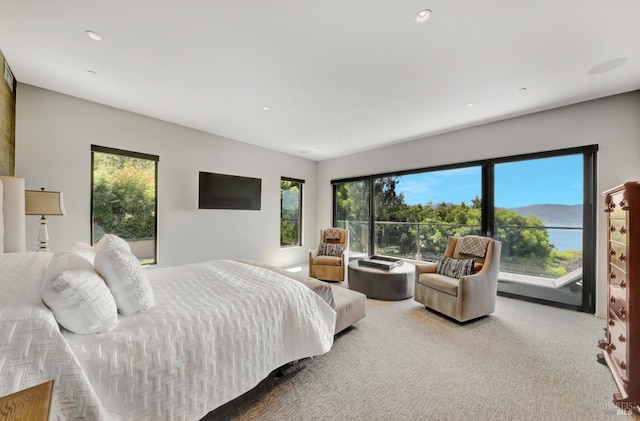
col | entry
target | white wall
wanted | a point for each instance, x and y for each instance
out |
(613, 123)
(54, 131)
(53, 137)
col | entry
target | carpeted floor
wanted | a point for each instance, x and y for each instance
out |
(402, 362)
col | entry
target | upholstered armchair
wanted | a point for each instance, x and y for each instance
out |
(329, 261)
(447, 286)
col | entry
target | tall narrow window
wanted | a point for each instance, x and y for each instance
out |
(124, 191)
(290, 212)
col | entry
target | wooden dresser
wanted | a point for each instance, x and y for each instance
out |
(621, 344)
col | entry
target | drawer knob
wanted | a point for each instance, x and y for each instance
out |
(612, 322)
(612, 300)
(621, 338)
(623, 313)
(612, 347)
(622, 257)
(612, 252)
(623, 365)
(623, 230)
(612, 228)
(623, 284)
(624, 204)
(612, 275)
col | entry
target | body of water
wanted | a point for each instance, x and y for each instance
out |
(564, 239)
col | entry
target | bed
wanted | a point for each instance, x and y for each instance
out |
(214, 331)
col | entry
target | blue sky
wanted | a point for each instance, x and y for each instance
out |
(555, 180)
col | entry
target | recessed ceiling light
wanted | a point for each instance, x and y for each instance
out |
(423, 15)
(93, 35)
(470, 104)
(608, 66)
(265, 108)
(92, 72)
(522, 89)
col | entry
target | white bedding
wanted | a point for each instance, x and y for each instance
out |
(216, 330)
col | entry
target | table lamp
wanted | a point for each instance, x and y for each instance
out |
(43, 203)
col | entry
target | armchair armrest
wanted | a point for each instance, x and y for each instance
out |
(479, 294)
(425, 268)
(313, 253)
(476, 282)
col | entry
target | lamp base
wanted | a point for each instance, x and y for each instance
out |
(43, 235)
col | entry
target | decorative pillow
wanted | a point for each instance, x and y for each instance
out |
(83, 250)
(331, 249)
(454, 268)
(474, 245)
(124, 275)
(332, 234)
(79, 298)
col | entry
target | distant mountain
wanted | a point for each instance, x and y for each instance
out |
(554, 215)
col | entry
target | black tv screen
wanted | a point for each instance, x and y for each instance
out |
(222, 191)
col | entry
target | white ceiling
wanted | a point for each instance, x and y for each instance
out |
(339, 76)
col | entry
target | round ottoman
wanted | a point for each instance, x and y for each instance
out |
(382, 284)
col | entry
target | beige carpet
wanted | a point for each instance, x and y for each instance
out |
(402, 362)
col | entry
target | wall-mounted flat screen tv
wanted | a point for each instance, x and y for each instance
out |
(222, 191)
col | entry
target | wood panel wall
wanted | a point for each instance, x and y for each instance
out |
(7, 123)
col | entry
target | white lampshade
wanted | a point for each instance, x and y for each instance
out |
(40, 202)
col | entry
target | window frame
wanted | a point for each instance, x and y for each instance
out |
(136, 155)
(590, 195)
(300, 211)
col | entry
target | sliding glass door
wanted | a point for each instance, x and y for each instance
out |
(540, 206)
(539, 219)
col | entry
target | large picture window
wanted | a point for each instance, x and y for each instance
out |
(290, 212)
(124, 200)
(540, 206)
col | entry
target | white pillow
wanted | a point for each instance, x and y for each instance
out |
(83, 250)
(124, 275)
(78, 296)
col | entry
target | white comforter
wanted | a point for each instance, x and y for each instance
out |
(216, 330)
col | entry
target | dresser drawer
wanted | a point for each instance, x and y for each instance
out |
(618, 304)
(618, 278)
(618, 230)
(617, 336)
(616, 204)
(618, 254)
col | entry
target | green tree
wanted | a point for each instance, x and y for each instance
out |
(352, 207)
(123, 197)
(522, 236)
(402, 230)
(290, 195)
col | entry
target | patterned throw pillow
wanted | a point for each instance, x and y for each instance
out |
(454, 268)
(331, 249)
(332, 234)
(474, 245)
